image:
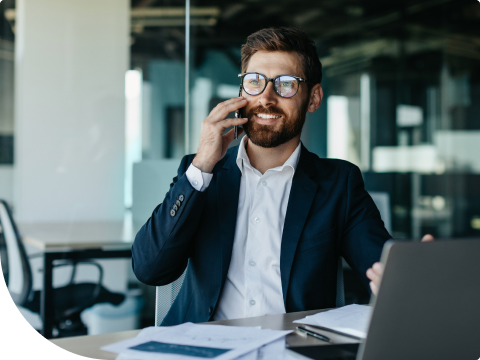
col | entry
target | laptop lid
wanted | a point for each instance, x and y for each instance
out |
(428, 306)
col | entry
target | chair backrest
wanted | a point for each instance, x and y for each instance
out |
(382, 200)
(14, 257)
(165, 296)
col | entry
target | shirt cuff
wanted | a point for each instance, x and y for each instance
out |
(198, 179)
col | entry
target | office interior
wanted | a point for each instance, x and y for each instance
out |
(99, 101)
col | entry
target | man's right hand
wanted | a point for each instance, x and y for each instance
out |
(213, 144)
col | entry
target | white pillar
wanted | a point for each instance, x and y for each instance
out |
(70, 62)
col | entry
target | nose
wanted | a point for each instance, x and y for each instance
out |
(268, 97)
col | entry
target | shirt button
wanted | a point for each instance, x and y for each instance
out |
(257, 219)
(264, 183)
(252, 263)
(195, 182)
(252, 302)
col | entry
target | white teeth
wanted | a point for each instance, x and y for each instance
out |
(265, 116)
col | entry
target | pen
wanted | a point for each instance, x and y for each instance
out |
(314, 334)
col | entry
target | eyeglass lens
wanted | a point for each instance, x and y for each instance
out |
(285, 86)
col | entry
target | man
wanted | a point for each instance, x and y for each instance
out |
(261, 226)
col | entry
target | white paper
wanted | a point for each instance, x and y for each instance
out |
(350, 319)
(275, 350)
(239, 341)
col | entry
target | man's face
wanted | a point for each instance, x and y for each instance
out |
(289, 113)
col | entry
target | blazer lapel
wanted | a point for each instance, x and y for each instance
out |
(301, 198)
(228, 188)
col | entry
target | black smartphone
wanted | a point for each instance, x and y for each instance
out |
(238, 114)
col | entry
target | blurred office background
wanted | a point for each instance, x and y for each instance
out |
(96, 110)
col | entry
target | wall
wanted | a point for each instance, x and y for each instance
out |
(70, 63)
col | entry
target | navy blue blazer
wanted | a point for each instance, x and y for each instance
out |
(329, 214)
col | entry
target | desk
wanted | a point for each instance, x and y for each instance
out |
(74, 241)
(90, 345)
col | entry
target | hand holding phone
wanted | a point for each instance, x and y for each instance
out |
(213, 144)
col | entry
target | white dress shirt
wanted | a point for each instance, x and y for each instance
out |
(253, 286)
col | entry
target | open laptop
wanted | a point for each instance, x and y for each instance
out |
(428, 306)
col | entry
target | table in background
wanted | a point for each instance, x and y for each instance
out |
(74, 241)
(89, 346)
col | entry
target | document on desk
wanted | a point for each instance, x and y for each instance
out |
(194, 341)
(275, 350)
(352, 320)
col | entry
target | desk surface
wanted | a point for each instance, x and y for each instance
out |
(89, 346)
(79, 235)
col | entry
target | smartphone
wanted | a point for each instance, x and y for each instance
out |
(238, 114)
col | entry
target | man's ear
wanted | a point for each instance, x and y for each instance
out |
(316, 96)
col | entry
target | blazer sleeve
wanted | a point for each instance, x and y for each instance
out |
(364, 232)
(164, 244)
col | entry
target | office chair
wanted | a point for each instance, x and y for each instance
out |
(69, 300)
(382, 201)
(165, 296)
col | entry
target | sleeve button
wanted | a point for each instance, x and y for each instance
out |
(178, 203)
(181, 198)
(175, 207)
(172, 213)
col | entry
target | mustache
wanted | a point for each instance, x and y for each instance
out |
(271, 110)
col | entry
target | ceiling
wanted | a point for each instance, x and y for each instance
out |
(345, 31)
(348, 33)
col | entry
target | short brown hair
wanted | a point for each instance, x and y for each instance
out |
(285, 39)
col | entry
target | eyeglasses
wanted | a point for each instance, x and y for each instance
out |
(285, 85)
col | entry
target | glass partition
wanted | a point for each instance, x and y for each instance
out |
(400, 82)
(6, 102)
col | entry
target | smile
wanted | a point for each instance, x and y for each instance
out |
(266, 116)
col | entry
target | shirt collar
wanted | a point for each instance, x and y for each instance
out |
(242, 158)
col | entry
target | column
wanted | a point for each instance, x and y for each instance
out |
(70, 62)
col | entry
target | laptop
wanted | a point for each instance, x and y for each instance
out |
(428, 306)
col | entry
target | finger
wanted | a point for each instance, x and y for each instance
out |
(374, 288)
(223, 109)
(229, 136)
(428, 238)
(371, 274)
(378, 268)
(231, 122)
(226, 103)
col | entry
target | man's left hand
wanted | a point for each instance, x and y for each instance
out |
(376, 271)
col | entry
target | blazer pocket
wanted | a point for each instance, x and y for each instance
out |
(317, 240)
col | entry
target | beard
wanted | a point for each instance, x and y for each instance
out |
(264, 136)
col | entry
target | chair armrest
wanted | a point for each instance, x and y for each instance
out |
(74, 270)
(96, 291)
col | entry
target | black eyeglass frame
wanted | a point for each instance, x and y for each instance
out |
(298, 78)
